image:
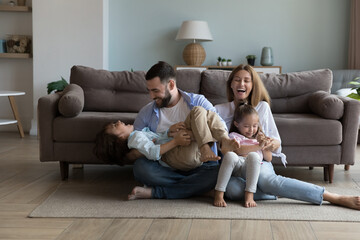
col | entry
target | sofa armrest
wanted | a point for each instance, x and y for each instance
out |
(326, 105)
(350, 122)
(47, 111)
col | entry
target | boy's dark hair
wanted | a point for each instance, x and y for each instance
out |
(241, 110)
(110, 148)
(162, 70)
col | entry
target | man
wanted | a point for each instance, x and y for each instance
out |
(169, 107)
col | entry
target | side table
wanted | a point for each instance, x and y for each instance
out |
(10, 95)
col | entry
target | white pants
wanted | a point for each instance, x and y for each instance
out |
(238, 166)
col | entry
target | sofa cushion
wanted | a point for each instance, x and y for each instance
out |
(85, 126)
(71, 102)
(326, 105)
(106, 91)
(308, 130)
(213, 85)
(289, 92)
(188, 80)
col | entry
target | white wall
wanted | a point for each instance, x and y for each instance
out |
(66, 33)
(304, 34)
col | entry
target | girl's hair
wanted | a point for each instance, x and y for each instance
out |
(258, 92)
(109, 148)
(241, 111)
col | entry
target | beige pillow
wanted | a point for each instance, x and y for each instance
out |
(326, 105)
(71, 102)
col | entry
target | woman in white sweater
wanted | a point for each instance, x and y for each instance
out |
(244, 84)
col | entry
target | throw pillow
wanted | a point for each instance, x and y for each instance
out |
(326, 105)
(71, 102)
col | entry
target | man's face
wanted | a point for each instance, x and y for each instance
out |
(159, 92)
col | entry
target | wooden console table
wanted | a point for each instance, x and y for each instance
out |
(10, 95)
(259, 69)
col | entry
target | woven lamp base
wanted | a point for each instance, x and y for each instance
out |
(194, 54)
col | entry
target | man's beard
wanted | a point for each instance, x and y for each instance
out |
(165, 100)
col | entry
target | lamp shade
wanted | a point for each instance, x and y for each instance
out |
(195, 30)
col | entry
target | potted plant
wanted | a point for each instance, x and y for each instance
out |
(229, 62)
(219, 61)
(251, 59)
(57, 86)
(223, 62)
(356, 85)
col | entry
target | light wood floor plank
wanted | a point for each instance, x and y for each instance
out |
(134, 229)
(10, 210)
(176, 229)
(33, 192)
(89, 229)
(294, 230)
(35, 223)
(336, 230)
(248, 229)
(208, 229)
(29, 233)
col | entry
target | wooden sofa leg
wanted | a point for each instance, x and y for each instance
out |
(347, 167)
(331, 173)
(64, 170)
(311, 168)
(326, 173)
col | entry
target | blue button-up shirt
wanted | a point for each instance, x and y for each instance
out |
(149, 114)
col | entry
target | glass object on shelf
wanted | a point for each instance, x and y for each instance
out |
(267, 58)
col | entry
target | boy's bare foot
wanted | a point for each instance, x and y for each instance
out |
(229, 145)
(139, 193)
(207, 154)
(249, 200)
(219, 199)
(345, 201)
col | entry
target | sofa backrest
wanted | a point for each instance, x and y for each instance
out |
(289, 92)
(123, 91)
(106, 91)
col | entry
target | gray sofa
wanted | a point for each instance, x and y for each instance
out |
(317, 128)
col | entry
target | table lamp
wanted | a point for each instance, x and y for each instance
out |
(194, 54)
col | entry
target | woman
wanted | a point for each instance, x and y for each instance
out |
(244, 84)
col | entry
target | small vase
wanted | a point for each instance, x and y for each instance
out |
(267, 58)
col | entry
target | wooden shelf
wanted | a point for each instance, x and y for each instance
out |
(8, 8)
(15, 55)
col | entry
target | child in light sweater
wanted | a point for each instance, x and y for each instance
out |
(245, 161)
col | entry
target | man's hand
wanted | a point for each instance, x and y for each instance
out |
(182, 138)
(271, 144)
(133, 154)
(176, 128)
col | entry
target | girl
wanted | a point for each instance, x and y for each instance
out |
(245, 162)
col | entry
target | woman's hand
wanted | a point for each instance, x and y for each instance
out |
(176, 128)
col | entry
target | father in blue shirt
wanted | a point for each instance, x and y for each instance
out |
(170, 106)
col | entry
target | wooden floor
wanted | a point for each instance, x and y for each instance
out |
(25, 183)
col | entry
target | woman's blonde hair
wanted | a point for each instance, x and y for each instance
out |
(258, 92)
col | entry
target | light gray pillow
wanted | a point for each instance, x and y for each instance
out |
(71, 102)
(326, 105)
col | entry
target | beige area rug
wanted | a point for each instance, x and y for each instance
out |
(105, 197)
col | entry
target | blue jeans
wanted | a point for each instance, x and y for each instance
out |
(173, 184)
(272, 184)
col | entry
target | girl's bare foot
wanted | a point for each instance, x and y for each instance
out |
(229, 145)
(249, 200)
(342, 200)
(207, 154)
(219, 199)
(140, 193)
